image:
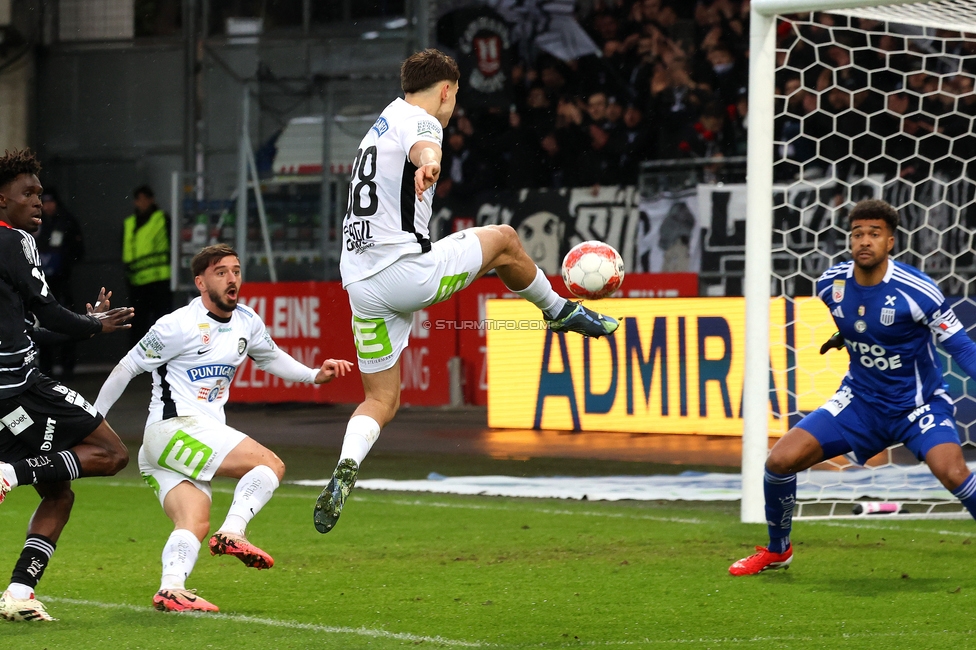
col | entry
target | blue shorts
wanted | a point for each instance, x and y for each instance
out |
(849, 423)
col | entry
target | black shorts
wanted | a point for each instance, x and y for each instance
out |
(47, 417)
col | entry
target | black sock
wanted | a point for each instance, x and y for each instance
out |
(35, 557)
(49, 468)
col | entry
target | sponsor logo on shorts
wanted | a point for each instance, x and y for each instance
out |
(372, 338)
(840, 401)
(72, 397)
(48, 434)
(211, 371)
(17, 420)
(186, 455)
(925, 408)
(449, 285)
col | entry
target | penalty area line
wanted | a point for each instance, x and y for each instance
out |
(272, 622)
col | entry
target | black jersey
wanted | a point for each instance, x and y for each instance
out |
(24, 293)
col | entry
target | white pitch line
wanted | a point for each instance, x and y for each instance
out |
(841, 524)
(459, 506)
(291, 625)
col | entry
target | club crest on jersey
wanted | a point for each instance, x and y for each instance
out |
(860, 326)
(887, 316)
(210, 371)
(241, 346)
(838, 290)
(204, 332)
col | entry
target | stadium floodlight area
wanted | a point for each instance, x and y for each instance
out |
(859, 100)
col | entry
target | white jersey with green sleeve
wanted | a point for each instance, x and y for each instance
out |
(385, 220)
(193, 355)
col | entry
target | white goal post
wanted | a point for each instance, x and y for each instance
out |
(760, 278)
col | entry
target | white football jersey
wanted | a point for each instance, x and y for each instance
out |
(193, 355)
(385, 220)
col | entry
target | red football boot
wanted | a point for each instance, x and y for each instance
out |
(181, 600)
(243, 550)
(764, 560)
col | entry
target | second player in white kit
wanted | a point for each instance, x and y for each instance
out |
(193, 355)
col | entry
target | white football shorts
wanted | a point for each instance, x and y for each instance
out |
(383, 304)
(189, 448)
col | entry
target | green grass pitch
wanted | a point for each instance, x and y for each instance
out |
(432, 570)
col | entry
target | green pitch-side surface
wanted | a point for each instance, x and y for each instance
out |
(405, 570)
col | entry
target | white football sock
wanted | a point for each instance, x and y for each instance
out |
(540, 293)
(361, 432)
(7, 472)
(19, 591)
(179, 556)
(253, 491)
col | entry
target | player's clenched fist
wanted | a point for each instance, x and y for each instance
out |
(332, 368)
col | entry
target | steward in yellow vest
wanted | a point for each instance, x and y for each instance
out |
(145, 253)
(145, 248)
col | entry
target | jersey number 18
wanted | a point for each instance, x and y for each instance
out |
(360, 179)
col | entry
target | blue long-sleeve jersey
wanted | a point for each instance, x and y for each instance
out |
(889, 328)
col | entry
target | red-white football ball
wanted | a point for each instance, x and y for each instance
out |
(593, 270)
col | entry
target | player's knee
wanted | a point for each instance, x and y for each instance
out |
(64, 497)
(119, 457)
(277, 466)
(780, 463)
(953, 477)
(200, 529)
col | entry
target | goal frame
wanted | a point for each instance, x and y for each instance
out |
(759, 207)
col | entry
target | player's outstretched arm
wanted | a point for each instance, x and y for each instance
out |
(115, 385)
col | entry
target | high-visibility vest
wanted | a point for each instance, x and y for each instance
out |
(145, 250)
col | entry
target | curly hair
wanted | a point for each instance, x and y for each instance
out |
(17, 162)
(869, 209)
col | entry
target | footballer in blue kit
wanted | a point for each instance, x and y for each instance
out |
(888, 315)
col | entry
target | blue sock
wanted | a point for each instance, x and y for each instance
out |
(780, 491)
(967, 494)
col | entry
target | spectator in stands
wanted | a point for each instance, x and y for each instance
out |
(726, 77)
(60, 245)
(677, 105)
(635, 144)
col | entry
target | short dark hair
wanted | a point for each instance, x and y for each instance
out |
(874, 209)
(424, 69)
(143, 190)
(210, 255)
(17, 162)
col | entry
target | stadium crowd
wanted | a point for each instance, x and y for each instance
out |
(671, 83)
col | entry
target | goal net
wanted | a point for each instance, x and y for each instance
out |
(855, 103)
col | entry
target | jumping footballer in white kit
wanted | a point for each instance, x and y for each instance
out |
(390, 268)
(193, 354)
